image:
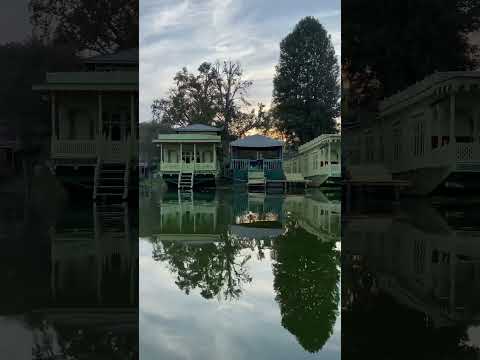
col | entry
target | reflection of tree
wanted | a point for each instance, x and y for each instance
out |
(306, 282)
(217, 269)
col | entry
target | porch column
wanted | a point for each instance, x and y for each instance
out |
(54, 117)
(214, 155)
(100, 124)
(161, 155)
(476, 119)
(329, 158)
(133, 128)
(452, 118)
(181, 159)
(194, 155)
(100, 111)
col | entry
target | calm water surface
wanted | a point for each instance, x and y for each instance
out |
(70, 275)
(239, 276)
(411, 280)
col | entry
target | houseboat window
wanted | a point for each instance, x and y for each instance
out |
(434, 142)
(445, 140)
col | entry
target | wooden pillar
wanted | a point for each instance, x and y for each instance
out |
(133, 128)
(329, 158)
(100, 111)
(54, 117)
(452, 118)
(214, 154)
(194, 155)
(181, 157)
(161, 155)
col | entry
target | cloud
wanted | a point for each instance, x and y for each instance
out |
(174, 34)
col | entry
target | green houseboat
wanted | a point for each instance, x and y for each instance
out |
(189, 156)
(256, 159)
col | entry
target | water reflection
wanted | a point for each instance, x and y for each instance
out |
(76, 284)
(411, 276)
(224, 247)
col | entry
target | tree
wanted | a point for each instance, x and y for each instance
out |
(216, 269)
(306, 84)
(213, 96)
(409, 41)
(306, 275)
(97, 25)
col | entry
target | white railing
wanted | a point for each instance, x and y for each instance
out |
(104, 149)
(275, 164)
(240, 164)
(335, 170)
(74, 148)
(265, 164)
(467, 152)
(187, 167)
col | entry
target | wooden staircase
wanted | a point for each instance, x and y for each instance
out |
(111, 180)
(185, 181)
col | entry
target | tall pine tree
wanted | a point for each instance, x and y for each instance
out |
(306, 84)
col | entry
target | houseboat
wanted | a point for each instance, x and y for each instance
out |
(318, 160)
(94, 123)
(189, 156)
(256, 159)
(427, 134)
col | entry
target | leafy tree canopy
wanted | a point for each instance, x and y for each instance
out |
(215, 95)
(306, 84)
(389, 45)
(97, 25)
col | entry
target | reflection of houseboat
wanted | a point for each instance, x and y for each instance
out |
(427, 134)
(84, 260)
(318, 160)
(256, 159)
(420, 260)
(189, 156)
(316, 214)
(94, 123)
(190, 220)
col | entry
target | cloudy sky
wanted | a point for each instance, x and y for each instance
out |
(178, 33)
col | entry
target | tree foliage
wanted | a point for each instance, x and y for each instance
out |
(215, 95)
(306, 276)
(306, 84)
(410, 40)
(96, 25)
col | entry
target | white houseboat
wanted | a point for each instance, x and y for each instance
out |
(189, 156)
(428, 134)
(318, 160)
(94, 122)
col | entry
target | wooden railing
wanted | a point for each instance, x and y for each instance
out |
(265, 164)
(93, 149)
(187, 167)
(74, 148)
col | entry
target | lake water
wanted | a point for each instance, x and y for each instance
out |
(411, 280)
(70, 275)
(228, 275)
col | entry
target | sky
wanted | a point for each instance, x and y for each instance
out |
(178, 33)
(14, 21)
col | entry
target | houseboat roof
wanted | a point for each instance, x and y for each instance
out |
(125, 56)
(436, 84)
(187, 138)
(256, 141)
(197, 128)
(322, 139)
